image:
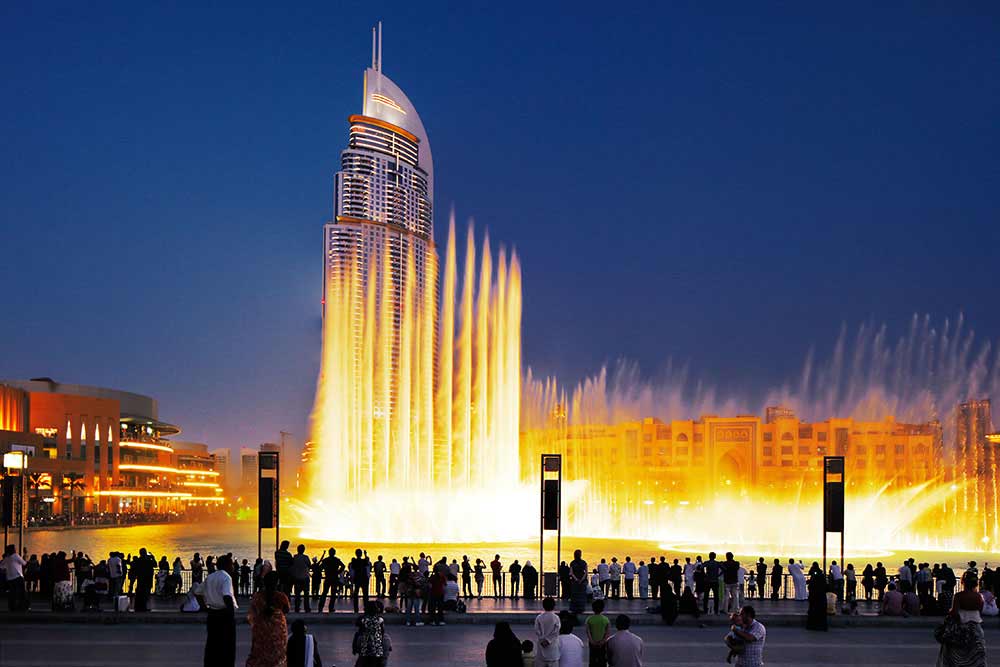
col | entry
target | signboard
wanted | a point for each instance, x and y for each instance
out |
(833, 494)
(267, 490)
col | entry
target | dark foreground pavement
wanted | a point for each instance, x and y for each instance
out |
(160, 645)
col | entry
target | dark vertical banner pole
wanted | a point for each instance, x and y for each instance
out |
(559, 514)
(541, 525)
(277, 497)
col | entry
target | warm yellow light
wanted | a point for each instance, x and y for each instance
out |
(212, 499)
(146, 445)
(147, 468)
(15, 460)
(208, 484)
(210, 473)
(143, 494)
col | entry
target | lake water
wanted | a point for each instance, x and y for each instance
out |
(211, 537)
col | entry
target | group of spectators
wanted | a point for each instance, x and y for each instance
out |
(104, 519)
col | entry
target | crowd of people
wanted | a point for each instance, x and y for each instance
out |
(423, 589)
(104, 519)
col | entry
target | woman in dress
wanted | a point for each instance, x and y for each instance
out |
(966, 607)
(62, 589)
(268, 627)
(371, 643)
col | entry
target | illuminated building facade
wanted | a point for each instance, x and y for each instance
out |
(94, 449)
(705, 455)
(382, 236)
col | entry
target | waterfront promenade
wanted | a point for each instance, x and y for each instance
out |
(66, 645)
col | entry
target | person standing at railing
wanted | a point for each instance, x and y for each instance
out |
(394, 570)
(466, 577)
(642, 573)
(712, 571)
(851, 577)
(497, 569)
(360, 570)
(837, 579)
(115, 575)
(654, 578)
(332, 568)
(530, 576)
(197, 569)
(378, 567)
(604, 578)
(948, 581)
(798, 579)
(688, 572)
(143, 567)
(615, 577)
(761, 577)
(628, 571)
(515, 579)
(480, 577)
(881, 580)
(299, 575)
(776, 579)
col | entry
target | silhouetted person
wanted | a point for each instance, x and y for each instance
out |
(360, 570)
(220, 600)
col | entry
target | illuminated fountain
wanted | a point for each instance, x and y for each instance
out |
(417, 438)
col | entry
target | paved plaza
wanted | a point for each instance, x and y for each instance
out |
(457, 646)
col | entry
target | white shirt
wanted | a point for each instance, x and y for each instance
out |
(602, 572)
(570, 651)
(628, 569)
(643, 574)
(905, 574)
(216, 587)
(835, 572)
(615, 571)
(547, 629)
(13, 566)
(115, 567)
(394, 567)
(423, 565)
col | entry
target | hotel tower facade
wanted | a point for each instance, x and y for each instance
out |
(379, 288)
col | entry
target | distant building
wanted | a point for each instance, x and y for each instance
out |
(701, 456)
(221, 460)
(248, 469)
(94, 449)
(976, 462)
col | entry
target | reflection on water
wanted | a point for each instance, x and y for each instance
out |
(241, 539)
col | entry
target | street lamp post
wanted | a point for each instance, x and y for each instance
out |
(15, 461)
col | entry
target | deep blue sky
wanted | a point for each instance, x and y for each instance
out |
(724, 187)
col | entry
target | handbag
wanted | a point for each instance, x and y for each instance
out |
(952, 632)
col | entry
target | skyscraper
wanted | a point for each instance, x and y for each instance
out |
(380, 278)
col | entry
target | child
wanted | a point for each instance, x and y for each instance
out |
(751, 584)
(735, 643)
(528, 653)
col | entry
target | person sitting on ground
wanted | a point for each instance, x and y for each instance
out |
(303, 650)
(504, 650)
(911, 601)
(688, 603)
(892, 602)
(668, 605)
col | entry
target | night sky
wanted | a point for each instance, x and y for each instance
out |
(721, 188)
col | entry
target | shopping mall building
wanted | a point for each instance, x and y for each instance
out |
(91, 450)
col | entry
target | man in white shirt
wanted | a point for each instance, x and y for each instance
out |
(628, 570)
(116, 575)
(220, 644)
(615, 576)
(547, 627)
(624, 648)
(604, 577)
(13, 567)
(570, 646)
(838, 580)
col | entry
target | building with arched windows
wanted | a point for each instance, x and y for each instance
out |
(93, 449)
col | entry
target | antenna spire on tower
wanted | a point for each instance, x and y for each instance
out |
(379, 46)
(374, 62)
